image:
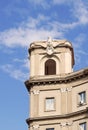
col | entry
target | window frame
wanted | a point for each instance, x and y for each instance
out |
(47, 110)
(83, 123)
(49, 128)
(82, 98)
(50, 67)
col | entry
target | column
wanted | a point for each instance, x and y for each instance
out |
(69, 100)
(63, 101)
(34, 103)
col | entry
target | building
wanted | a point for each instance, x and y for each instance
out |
(58, 96)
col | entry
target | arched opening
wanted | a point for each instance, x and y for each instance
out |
(50, 67)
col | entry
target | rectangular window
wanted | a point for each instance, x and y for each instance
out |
(49, 128)
(49, 104)
(82, 98)
(82, 126)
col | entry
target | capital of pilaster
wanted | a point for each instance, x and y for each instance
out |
(69, 89)
(63, 124)
(35, 127)
(36, 92)
(63, 90)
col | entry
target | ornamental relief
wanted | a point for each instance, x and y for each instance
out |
(66, 89)
(35, 92)
(35, 127)
(64, 124)
(49, 49)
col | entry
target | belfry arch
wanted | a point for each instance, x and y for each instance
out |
(50, 62)
(50, 67)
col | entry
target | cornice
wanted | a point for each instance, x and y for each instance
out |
(54, 42)
(56, 79)
(70, 115)
(35, 46)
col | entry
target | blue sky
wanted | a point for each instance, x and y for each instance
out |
(25, 21)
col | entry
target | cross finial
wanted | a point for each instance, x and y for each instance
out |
(49, 40)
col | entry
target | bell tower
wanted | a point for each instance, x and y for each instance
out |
(51, 57)
(55, 90)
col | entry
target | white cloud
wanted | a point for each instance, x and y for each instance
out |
(28, 32)
(80, 11)
(78, 47)
(66, 26)
(44, 3)
(60, 1)
(24, 62)
(80, 39)
(32, 30)
(15, 73)
(37, 1)
(42, 27)
(19, 69)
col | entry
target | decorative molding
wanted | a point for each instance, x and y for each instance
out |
(66, 89)
(63, 124)
(36, 92)
(70, 115)
(66, 124)
(58, 79)
(49, 49)
(63, 90)
(69, 123)
(69, 89)
(35, 127)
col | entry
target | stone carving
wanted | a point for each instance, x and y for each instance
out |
(69, 89)
(66, 89)
(35, 127)
(69, 123)
(36, 92)
(49, 49)
(63, 90)
(66, 124)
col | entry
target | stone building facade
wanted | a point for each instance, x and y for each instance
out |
(58, 96)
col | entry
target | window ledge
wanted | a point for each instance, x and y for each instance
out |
(50, 110)
(83, 104)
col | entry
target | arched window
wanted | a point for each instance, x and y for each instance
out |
(50, 67)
